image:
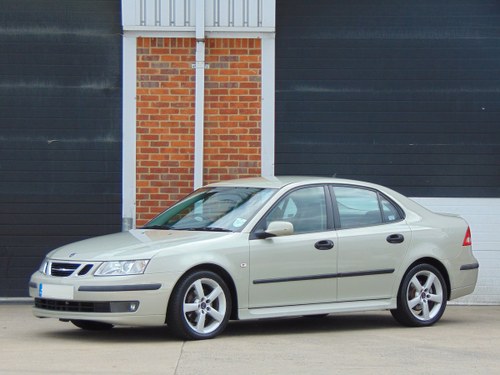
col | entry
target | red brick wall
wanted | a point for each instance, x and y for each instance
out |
(165, 117)
(232, 109)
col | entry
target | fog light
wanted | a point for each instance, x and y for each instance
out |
(125, 306)
(133, 306)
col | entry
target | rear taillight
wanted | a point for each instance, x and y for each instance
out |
(467, 238)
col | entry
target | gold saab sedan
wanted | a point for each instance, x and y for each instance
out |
(263, 248)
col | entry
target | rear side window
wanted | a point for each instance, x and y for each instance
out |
(358, 207)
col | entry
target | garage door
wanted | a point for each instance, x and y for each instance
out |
(60, 119)
(406, 94)
(403, 94)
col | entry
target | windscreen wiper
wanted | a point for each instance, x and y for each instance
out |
(157, 227)
(211, 229)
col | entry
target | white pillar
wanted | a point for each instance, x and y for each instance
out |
(268, 106)
(199, 94)
(129, 132)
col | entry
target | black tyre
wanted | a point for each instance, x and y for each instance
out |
(422, 297)
(90, 325)
(199, 307)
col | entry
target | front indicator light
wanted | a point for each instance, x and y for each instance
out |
(122, 268)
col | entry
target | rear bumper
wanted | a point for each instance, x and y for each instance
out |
(471, 266)
(466, 280)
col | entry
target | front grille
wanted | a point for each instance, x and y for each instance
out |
(72, 306)
(63, 269)
(85, 269)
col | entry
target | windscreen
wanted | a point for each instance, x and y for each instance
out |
(213, 209)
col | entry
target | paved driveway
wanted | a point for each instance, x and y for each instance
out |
(465, 341)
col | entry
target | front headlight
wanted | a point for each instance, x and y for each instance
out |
(44, 266)
(122, 268)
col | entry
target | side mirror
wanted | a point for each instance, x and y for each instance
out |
(276, 229)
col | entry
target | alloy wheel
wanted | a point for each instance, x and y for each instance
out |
(204, 306)
(425, 295)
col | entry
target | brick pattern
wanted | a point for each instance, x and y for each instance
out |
(232, 109)
(165, 117)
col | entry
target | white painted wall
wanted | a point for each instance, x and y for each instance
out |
(483, 215)
(180, 15)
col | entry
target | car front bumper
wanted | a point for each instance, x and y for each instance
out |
(122, 300)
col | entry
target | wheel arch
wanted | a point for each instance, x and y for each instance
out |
(440, 267)
(224, 275)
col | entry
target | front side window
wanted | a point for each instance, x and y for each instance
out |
(216, 209)
(305, 208)
(358, 207)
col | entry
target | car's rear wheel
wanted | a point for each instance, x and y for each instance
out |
(90, 325)
(422, 297)
(200, 306)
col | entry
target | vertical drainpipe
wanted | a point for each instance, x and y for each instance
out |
(199, 93)
(129, 146)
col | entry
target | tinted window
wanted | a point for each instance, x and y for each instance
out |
(304, 208)
(216, 208)
(359, 207)
(389, 210)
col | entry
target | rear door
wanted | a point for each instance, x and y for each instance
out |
(373, 238)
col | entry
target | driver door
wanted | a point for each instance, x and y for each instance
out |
(299, 268)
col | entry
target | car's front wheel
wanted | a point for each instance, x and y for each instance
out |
(200, 306)
(422, 297)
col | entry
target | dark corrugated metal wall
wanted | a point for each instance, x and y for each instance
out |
(401, 93)
(60, 121)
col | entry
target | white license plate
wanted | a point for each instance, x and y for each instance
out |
(55, 291)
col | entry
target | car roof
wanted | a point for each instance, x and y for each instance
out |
(278, 182)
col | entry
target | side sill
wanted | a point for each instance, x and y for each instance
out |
(315, 309)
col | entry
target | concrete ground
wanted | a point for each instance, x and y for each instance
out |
(465, 341)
